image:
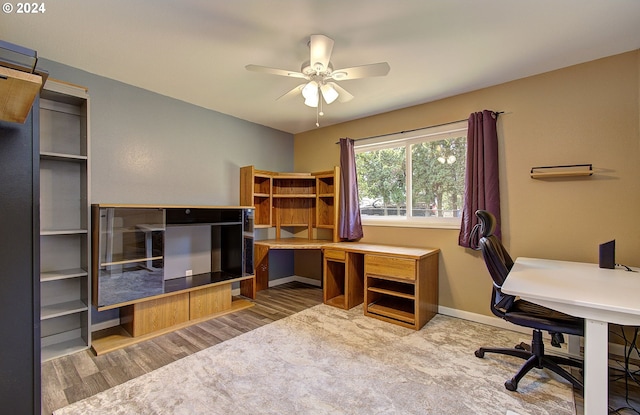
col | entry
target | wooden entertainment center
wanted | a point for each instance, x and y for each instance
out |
(128, 264)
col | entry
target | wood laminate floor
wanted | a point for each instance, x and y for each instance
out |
(71, 378)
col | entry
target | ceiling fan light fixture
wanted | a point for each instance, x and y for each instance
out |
(319, 75)
(329, 93)
(310, 94)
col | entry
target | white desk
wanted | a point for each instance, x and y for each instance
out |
(600, 296)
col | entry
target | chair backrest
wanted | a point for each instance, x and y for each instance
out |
(496, 258)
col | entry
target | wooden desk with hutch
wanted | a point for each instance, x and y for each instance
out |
(396, 284)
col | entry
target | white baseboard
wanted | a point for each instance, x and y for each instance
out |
(482, 319)
(614, 348)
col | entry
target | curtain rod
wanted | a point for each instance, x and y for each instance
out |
(416, 129)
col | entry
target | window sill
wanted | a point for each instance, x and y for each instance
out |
(442, 223)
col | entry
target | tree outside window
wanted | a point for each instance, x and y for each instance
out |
(435, 186)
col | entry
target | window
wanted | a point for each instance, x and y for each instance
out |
(431, 194)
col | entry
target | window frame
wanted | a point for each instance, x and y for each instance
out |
(406, 139)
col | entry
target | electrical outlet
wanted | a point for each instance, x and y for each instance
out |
(188, 273)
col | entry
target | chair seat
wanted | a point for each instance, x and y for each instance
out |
(527, 314)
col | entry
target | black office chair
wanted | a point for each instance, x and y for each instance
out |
(521, 312)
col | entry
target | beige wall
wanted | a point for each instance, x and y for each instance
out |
(587, 113)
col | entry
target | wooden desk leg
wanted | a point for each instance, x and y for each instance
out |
(596, 375)
(261, 266)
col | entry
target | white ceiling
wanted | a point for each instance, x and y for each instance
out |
(196, 50)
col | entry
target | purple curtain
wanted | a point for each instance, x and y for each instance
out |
(481, 190)
(350, 222)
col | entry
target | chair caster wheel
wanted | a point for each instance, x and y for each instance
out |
(511, 385)
(479, 353)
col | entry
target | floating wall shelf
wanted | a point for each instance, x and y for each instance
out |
(572, 170)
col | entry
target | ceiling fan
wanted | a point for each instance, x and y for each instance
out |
(320, 76)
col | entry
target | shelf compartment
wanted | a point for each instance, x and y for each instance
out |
(334, 283)
(64, 335)
(60, 252)
(392, 288)
(62, 309)
(325, 184)
(294, 186)
(63, 195)
(262, 203)
(62, 127)
(294, 211)
(394, 308)
(261, 184)
(63, 348)
(325, 212)
(337, 301)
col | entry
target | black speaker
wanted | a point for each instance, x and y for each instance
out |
(608, 255)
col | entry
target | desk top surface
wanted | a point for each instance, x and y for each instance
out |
(576, 288)
(360, 247)
(293, 243)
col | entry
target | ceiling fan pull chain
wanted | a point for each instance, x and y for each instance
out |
(319, 111)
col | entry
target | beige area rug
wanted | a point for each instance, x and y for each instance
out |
(330, 361)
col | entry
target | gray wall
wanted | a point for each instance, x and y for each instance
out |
(147, 148)
(152, 149)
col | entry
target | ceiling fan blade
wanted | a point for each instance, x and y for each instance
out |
(295, 91)
(343, 95)
(275, 71)
(364, 71)
(320, 48)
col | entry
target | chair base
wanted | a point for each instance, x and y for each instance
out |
(535, 358)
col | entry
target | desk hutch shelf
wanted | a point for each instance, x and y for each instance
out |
(299, 202)
(296, 200)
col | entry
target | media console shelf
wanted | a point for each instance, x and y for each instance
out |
(128, 269)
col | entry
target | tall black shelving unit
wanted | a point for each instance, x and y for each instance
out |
(19, 230)
(20, 266)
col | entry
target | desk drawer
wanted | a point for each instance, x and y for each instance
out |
(337, 254)
(389, 266)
